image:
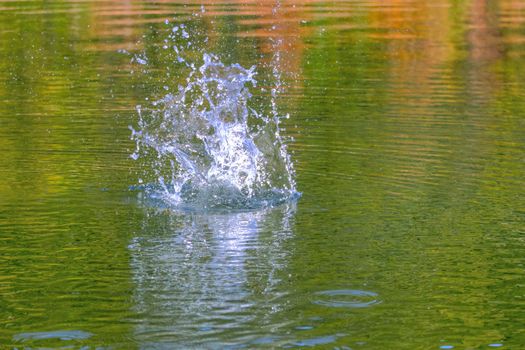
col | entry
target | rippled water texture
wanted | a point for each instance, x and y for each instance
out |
(406, 132)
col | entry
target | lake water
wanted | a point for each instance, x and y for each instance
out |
(407, 133)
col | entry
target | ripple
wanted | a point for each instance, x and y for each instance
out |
(349, 298)
(62, 335)
(316, 341)
(212, 199)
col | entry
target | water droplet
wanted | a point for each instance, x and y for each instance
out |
(141, 60)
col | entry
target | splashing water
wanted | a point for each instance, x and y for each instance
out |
(207, 146)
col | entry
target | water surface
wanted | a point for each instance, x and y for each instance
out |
(408, 127)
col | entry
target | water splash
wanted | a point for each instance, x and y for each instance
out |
(207, 144)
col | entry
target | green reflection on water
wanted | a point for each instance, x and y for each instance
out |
(408, 119)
